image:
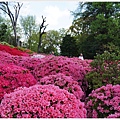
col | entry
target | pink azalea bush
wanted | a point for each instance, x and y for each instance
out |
(12, 76)
(41, 101)
(85, 63)
(52, 65)
(116, 115)
(64, 82)
(104, 102)
(6, 58)
(27, 62)
(22, 61)
(58, 64)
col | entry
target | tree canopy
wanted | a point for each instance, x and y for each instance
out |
(94, 22)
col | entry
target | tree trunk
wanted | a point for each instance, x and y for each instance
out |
(39, 45)
(15, 40)
(41, 32)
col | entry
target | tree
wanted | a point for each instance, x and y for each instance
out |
(29, 26)
(94, 23)
(3, 29)
(51, 42)
(5, 6)
(68, 46)
(41, 32)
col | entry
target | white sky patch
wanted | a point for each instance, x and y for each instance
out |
(25, 10)
(53, 14)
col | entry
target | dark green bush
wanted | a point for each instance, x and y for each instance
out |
(105, 68)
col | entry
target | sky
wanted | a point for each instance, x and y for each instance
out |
(57, 13)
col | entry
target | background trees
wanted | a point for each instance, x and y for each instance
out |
(95, 21)
(95, 24)
(3, 29)
(5, 6)
(29, 27)
(68, 46)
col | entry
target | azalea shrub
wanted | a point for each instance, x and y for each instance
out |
(104, 102)
(116, 115)
(6, 58)
(27, 62)
(53, 65)
(12, 51)
(41, 101)
(12, 76)
(22, 61)
(85, 63)
(105, 70)
(64, 82)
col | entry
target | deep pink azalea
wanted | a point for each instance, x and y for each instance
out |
(12, 76)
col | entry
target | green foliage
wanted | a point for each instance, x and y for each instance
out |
(68, 46)
(51, 42)
(3, 30)
(105, 68)
(5, 43)
(93, 24)
(29, 26)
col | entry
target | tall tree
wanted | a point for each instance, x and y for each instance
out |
(5, 6)
(68, 46)
(94, 22)
(41, 32)
(3, 29)
(29, 27)
(51, 42)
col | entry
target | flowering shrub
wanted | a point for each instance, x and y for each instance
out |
(12, 76)
(12, 51)
(41, 101)
(64, 82)
(22, 61)
(104, 102)
(105, 70)
(6, 58)
(30, 63)
(116, 115)
(85, 63)
(52, 65)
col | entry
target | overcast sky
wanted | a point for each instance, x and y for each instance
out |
(57, 13)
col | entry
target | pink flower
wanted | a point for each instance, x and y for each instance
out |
(41, 101)
(13, 76)
(105, 100)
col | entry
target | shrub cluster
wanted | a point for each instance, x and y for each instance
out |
(64, 82)
(52, 65)
(85, 63)
(105, 70)
(12, 51)
(12, 76)
(48, 86)
(104, 102)
(41, 101)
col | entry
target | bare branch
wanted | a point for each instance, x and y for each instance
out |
(14, 17)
